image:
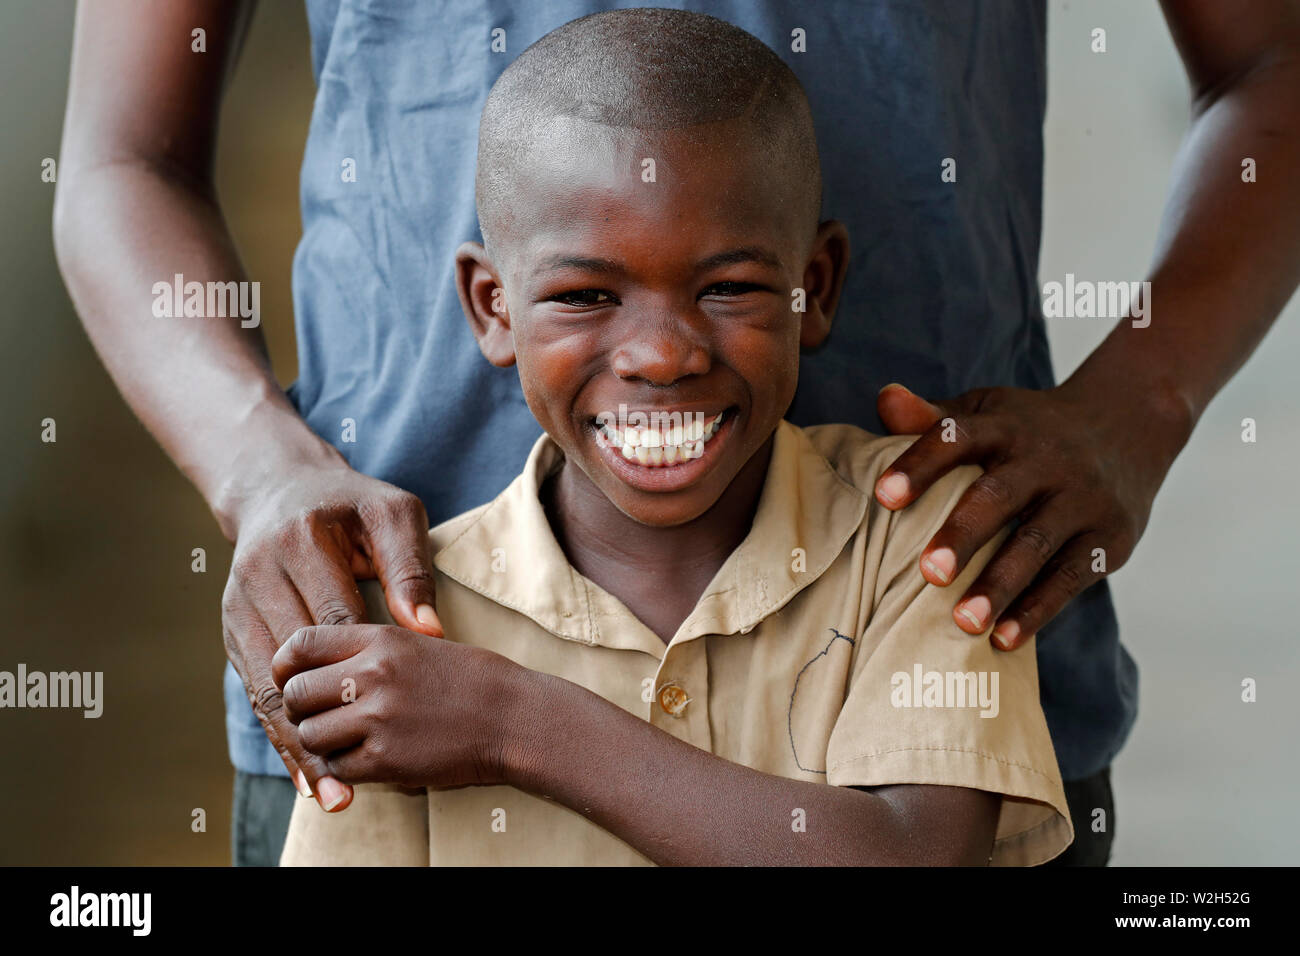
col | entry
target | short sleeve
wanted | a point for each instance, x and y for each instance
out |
(385, 825)
(928, 703)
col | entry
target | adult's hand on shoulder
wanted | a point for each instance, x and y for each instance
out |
(1079, 465)
(299, 551)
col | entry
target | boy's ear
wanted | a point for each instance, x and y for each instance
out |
(823, 281)
(483, 298)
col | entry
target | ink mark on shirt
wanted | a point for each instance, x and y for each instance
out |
(803, 673)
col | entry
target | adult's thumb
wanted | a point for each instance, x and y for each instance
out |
(904, 412)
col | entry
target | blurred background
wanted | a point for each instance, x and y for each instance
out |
(96, 530)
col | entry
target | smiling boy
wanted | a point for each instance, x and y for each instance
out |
(686, 633)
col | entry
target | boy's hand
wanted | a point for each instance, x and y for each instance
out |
(382, 704)
(299, 552)
(1078, 465)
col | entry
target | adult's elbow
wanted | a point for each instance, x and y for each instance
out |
(66, 224)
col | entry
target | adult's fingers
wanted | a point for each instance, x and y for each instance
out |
(1070, 572)
(321, 571)
(396, 530)
(250, 647)
(903, 412)
(275, 599)
(956, 439)
(984, 508)
(1018, 562)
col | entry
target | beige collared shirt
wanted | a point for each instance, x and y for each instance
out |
(818, 652)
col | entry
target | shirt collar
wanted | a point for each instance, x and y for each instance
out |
(806, 513)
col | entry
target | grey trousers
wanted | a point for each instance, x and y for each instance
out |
(259, 818)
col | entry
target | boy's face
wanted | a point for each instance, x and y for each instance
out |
(650, 308)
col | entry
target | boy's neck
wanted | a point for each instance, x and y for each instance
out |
(659, 573)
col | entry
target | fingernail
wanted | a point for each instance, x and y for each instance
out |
(942, 563)
(976, 610)
(893, 385)
(300, 780)
(893, 488)
(331, 793)
(424, 613)
(1005, 634)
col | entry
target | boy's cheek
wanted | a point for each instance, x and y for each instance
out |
(534, 393)
(547, 381)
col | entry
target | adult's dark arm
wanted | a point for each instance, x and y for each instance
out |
(135, 205)
(1081, 463)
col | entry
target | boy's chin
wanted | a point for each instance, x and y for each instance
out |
(651, 509)
(663, 507)
(661, 514)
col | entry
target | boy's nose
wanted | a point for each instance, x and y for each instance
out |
(661, 351)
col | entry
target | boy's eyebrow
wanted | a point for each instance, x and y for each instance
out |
(758, 254)
(586, 263)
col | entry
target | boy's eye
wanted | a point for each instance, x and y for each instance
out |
(727, 289)
(584, 297)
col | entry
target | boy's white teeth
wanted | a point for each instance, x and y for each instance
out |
(654, 448)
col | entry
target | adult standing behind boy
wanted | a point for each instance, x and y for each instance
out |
(941, 295)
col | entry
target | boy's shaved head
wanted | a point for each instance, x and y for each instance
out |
(646, 69)
(689, 292)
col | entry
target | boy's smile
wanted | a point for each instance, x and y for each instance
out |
(648, 285)
(669, 453)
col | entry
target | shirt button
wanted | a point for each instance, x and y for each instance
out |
(673, 699)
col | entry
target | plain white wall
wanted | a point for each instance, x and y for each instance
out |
(1206, 600)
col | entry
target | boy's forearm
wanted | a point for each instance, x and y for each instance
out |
(680, 805)
(202, 386)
